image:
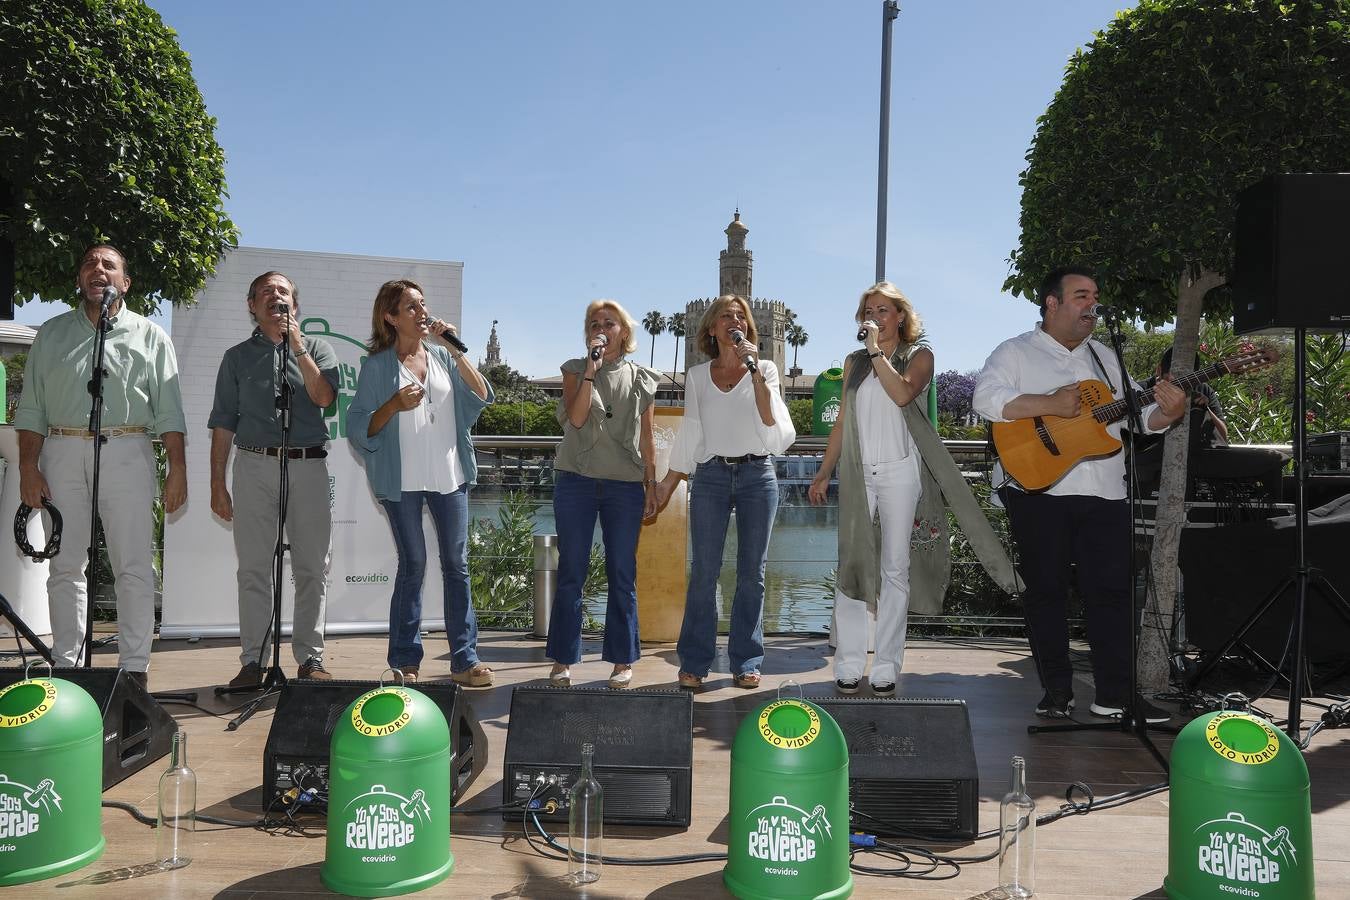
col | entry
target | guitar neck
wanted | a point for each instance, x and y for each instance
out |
(1111, 412)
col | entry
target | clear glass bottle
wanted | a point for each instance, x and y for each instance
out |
(1017, 837)
(177, 809)
(585, 823)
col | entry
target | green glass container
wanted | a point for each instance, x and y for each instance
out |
(825, 400)
(51, 780)
(1240, 820)
(788, 825)
(388, 796)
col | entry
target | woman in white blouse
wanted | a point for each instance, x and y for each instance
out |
(879, 487)
(416, 399)
(735, 423)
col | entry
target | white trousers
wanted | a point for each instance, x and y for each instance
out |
(126, 491)
(893, 491)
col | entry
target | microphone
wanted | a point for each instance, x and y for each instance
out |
(454, 340)
(599, 349)
(749, 360)
(862, 332)
(110, 295)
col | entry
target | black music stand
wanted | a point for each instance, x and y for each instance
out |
(1301, 575)
(1134, 723)
(21, 630)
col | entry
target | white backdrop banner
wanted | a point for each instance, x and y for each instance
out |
(336, 294)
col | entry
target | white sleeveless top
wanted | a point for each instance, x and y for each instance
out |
(882, 434)
(427, 439)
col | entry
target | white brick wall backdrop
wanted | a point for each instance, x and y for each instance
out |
(337, 292)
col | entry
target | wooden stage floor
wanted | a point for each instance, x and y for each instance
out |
(1115, 853)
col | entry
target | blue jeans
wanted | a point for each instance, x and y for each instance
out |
(752, 489)
(450, 514)
(577, 500)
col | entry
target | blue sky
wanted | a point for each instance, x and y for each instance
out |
(592, 148)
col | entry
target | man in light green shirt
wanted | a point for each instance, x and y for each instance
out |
(140, 398)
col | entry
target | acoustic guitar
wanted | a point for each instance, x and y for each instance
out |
(1039, 451)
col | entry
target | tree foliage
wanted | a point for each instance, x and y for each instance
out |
(1160, 122)
(104, 136)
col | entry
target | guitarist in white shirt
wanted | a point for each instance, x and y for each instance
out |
(1081, 518)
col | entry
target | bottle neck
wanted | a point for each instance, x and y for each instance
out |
(587, 752)
(1019, 775)
(178, 757)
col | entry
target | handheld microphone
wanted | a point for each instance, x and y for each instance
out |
(454, 340)
(599, 349)
(110, 295)
(862, 332)
(749, 360)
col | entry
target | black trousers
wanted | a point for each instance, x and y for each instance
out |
(1092, 534)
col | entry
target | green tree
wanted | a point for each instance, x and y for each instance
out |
(796, 337)
(675, 325)
(14, 367)
(655, 324)
(510, 386)
(104, 136)
(1137, 163)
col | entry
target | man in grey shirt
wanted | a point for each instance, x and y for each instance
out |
(247, 415)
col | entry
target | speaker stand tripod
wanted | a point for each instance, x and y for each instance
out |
(1301, 576)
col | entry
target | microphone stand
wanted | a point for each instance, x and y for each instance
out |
(1133, 723)
(95, 387)
(274, 679)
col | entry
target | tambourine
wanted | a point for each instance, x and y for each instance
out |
(21, 532)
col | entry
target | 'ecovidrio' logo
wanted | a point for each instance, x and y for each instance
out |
(1244, 853)
(371, 578)
(384, 820)
(349, 365)
(783, 833)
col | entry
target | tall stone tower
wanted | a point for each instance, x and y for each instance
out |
(735, 276)
(494, 348)
(735, 270)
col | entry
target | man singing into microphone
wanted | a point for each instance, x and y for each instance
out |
(1083, 518)
(56, 451)
(247, 415)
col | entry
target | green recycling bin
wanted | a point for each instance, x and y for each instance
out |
(388, 796)
(825, 400)
(788, 826)
(1240, 821)
(51, 780)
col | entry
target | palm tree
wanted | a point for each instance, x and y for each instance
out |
(797, 337)
(676, 327)
(654, 323)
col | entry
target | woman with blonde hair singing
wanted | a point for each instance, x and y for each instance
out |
(606, 468)
(879, 487)
(735, 423)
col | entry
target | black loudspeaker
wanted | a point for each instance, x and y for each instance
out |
(644, 752)
(136, 729)
(307, 711)
(911, 766)
(1290, 260)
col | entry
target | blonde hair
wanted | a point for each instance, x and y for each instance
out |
(704, 339)
(911, 327)
(628, 322)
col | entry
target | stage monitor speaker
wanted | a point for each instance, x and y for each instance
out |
(136, 729)
(644, 752)
(1290, 261)
(911, 766)
(307, 711)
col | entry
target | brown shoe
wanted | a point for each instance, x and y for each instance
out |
(477, 675)
(409, 674)
(250, 676)
(313, 669)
